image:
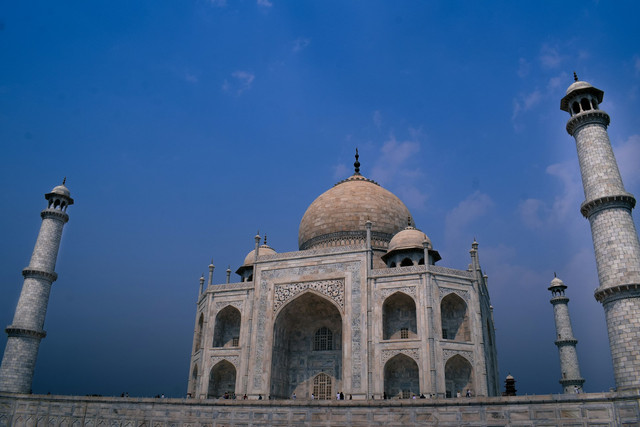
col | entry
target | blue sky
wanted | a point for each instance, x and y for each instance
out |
(184, 127)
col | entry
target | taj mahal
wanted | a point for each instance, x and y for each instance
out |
(365, 309)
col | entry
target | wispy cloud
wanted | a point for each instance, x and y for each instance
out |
(242, 81)
(524, 103)
(538, 214)
(468, 210)
(264, 3)
(550, 56)
(395, 169)
(218, 3)
(191, 78)
(523, 67)
(300, 44)
(377, 119)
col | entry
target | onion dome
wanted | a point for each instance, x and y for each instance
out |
(338, 216)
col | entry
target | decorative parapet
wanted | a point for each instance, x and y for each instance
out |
(313, 252)
(413, 269)
(333, 289)
(395, 271)
(445, 271)
(231, 286)
(585, 118)
(625, 201)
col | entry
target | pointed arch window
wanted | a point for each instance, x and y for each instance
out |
(323, 339)
(322, 387)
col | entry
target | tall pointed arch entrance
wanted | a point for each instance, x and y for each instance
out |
(307, 348)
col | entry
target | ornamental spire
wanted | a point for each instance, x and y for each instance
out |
(575, 76)
(356, 164)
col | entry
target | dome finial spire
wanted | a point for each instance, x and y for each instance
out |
(64, 180)
(575, 76)
(356, 164)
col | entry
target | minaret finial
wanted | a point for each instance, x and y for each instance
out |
(554, 274)
(409, 221)
(575, 76)
(64, 180)
(265, 239)
(356, 164)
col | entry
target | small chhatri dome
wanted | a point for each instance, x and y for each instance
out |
(579, 87)
(338, 216)
(264, 250)
(62, 189)
(557, 282)
(409, 238)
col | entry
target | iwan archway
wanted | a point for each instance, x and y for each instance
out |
(307, 341)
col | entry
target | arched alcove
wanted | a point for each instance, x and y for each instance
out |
(399, 317)
(197, 342)
(295, 364)
(458, 376)
(454, 316)
(227, 327)
(194, 381)
(222, 379)
(401, 377)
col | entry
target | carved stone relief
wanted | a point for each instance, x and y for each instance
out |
(409, 290)
(462, 294)
(234, 360)
(450, 353)
(413, 353)
(222, 304)
(334, 289)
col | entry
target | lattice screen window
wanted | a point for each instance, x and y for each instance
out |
(404, 333)
(236, 342)
(322, 387)
(323, 339)
(406, 394)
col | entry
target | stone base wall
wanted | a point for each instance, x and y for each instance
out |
(594, 409)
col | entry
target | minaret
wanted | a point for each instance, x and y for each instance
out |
(571, 379)
(608, 207)
(26, 331)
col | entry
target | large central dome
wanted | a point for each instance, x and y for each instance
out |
(338, 216)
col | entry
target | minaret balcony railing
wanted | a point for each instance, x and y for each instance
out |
(23, 332)
(624, 201)
(55, 214)
(586, 118)
(613, 293)
(36, 273)
(565, 342)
